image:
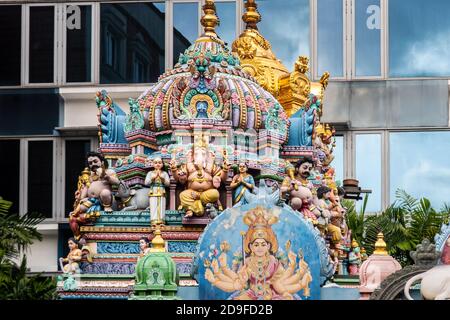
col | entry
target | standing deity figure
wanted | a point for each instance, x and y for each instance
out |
(333, 209)
(241, 184)
(354, 259)
(296, 177)
(94, 192)
(202, 176)
(158, 180)
(71, 264)
(323, 141)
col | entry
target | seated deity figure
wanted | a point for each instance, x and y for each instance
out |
(296, 177)
(241, 184)
(94, 192)
(158, 180)
(71, 264)
(202, 176)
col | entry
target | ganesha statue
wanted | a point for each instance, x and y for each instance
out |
(202, 177)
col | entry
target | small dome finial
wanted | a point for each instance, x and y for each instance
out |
(209, 20)
(158, 243)
(380, 245)
(251, 16)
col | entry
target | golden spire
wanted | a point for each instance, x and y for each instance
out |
(158, 243)
(251, 16)
(209, 20)
(380, 245)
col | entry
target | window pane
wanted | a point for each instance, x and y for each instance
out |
(419, 38)
(132, 42)
(10, 38)
(10, 162)
(76, 151)
(42, 44)
(418, 170)
(330, 37)
(368, 37)
(40, 177)
(368, 169)
(278, 16)
(338, 162)
(185, 27)
(16, 117)
(227, 15)
(79, 32)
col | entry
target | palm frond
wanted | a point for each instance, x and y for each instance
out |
(4, 206)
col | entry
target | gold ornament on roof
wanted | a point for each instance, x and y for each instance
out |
(302, 64)
(291, 89)
(251, 16)
(324, 130)
(380, 245)
(158, 243)
(209, 20)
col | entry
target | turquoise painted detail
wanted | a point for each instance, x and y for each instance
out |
(117, 247)
(182, 246)
(135, 120)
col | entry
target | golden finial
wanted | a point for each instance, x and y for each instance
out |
(380, 245)
(209, 20)
(324, 79)
(251, 16)
(158, 243)
(302, 64)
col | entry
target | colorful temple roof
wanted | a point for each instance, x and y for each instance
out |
(209, 83)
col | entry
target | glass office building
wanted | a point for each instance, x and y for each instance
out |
(388, 96)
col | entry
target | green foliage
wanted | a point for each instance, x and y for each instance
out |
(355, 220)
(17, 233)
(404, 224)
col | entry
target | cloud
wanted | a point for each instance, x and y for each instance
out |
(426, 179)
(286, 27)
(426, 57)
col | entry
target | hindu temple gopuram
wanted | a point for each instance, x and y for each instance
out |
(219, 184)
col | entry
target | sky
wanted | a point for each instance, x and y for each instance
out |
(420, 164)
(419, 38)
(285, 24)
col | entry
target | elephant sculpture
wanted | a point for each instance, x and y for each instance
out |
(133, 199)
(435, 284)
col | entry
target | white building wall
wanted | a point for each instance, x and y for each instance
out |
(43, 255)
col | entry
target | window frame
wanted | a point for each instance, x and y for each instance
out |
(63, 156)
(383, 44)
(56, 45)
(22, 45)
(58, 179)
(314, 52)
(167, 37)
(94, 40)
(24, 157)
(384, 178)
(170, 17)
